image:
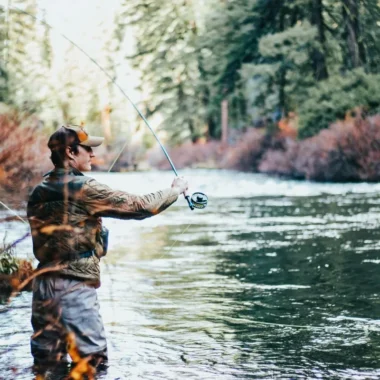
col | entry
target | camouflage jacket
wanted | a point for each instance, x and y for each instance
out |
(65, 211)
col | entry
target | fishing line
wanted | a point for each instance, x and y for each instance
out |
(14, 213)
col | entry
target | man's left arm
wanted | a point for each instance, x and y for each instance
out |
(101, 200)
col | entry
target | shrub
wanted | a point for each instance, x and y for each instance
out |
(247, 152)
(281, 162)
(200, 154)
(23, 154)
(347, 151)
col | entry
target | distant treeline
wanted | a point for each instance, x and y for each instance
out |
(317, 58)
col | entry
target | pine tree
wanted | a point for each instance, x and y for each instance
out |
(3, 47)
(230, 40)
(26, 61)
(167, 57)
(318, 54)
(355, 53)
(21, 39)
(46, 48)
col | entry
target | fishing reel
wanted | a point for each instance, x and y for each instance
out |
(197, 200)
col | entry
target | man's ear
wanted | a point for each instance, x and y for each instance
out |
(69, 153)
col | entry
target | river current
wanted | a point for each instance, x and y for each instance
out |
(275, 279)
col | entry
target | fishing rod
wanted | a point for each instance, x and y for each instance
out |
(197, 200)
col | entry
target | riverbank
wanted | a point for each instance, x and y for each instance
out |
(348, 151)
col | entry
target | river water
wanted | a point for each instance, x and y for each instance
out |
(274, 279)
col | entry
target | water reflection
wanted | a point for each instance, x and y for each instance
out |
(275, 279)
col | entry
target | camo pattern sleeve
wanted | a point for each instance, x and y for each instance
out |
(101, 200)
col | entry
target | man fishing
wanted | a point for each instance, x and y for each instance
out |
(64, 213)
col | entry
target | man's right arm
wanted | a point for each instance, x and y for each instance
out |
(101, 200)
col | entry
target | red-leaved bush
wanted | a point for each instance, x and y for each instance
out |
(23, 155)
(347, 151)
(201, 154)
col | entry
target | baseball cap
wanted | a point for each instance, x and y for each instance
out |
(68, 135)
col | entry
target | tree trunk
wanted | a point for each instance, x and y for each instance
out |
(282, 71)
(282, 94)
(318, 56)
(355, 48)
(212, 130)
(193, 135)
(224, 117)
(190, 123)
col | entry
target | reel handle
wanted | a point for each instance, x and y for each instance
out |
(189, 202)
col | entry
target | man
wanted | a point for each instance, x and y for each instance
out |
(64, 213)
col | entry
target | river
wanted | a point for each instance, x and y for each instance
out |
(274, 279)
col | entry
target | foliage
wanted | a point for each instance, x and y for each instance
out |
(347, 151)
(280, 81)
(200, 154)
(32, 80)
(247, 152)
(3, 72)
(229, 40)
(22, 40)
(168, 60)
(334, 97)
(266, 57)
(23, 153)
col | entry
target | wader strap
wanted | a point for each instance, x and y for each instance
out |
(82, 255)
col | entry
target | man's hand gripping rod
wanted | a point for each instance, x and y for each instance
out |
(198, 200)
(187, 197)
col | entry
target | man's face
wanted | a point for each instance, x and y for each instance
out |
(82, 159)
